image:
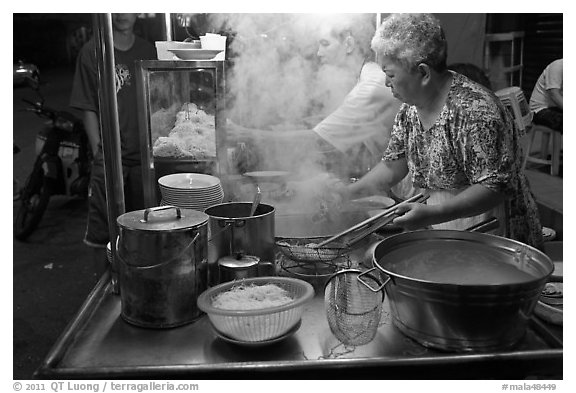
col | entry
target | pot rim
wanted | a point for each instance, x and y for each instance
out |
(460, 235)
(247, 217)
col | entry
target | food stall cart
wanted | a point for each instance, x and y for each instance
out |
(99, 343)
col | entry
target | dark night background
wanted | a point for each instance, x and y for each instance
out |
(53, 40)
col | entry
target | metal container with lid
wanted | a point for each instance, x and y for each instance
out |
(233, 230)
(237, 267)
(162, 253)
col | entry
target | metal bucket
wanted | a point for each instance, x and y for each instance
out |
(162, 267)
(461, 313)
(233, 231)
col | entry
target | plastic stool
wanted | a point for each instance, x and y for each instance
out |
(546, 134)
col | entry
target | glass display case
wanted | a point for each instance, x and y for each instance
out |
(180, 107)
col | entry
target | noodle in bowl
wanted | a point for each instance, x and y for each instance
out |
(281, 308)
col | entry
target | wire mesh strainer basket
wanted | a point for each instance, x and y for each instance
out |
(353, 308)
(303, 250)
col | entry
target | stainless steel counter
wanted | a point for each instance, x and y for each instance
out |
(98, 343)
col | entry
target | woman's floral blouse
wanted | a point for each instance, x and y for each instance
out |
(474, 141)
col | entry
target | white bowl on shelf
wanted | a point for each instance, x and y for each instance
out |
(163, 48)
(195, 54)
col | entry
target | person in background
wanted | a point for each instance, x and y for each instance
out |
(359, 129)
(454, 136)
(127, 49)
(546, 100)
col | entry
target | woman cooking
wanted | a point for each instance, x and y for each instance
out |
(454, 136)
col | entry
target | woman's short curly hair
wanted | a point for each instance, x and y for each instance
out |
(412, 39)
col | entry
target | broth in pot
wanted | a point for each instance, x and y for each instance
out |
(454, 262)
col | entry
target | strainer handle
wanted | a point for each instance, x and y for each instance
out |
(359, 278)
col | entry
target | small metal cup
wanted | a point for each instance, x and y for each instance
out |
(237, 267)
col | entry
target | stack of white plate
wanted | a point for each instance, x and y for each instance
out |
(195, 191)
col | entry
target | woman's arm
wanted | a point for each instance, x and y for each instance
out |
(474, 200)
(239, 133)
(380, 179)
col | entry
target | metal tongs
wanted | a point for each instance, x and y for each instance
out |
(373, 223)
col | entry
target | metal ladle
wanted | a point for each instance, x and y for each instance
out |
(256, 201)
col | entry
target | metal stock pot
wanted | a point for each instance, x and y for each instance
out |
(466, 310)
(233, 231)
(162, 269)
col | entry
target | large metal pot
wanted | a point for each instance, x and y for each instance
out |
(461, 291)
(233, 231)
(162, 267)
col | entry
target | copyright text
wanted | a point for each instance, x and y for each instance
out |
(96, 387)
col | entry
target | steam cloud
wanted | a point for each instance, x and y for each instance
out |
(276, 78)
(276, 81)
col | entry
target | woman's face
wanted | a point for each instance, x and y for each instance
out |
(405, 85)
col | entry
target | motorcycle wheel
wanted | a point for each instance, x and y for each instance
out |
(34, 200)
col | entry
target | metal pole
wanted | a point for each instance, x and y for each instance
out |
(168, 26)
(109, 127)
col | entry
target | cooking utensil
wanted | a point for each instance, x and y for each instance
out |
(304, 250)
(162, 265)
(256, 202)
(298, 236)
(482, 304)
(263, 324)
(388, 215)
(373, 202)
(234, 231)
(315, 273)
(353, 310)
(489, 224)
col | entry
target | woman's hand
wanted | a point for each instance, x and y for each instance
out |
(339, 188)
(416, 216)
(238, 133)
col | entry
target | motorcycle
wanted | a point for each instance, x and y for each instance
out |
(63, 156)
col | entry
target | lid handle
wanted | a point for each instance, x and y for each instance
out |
(158, 208)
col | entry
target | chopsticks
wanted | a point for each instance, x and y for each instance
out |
(390, 213)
